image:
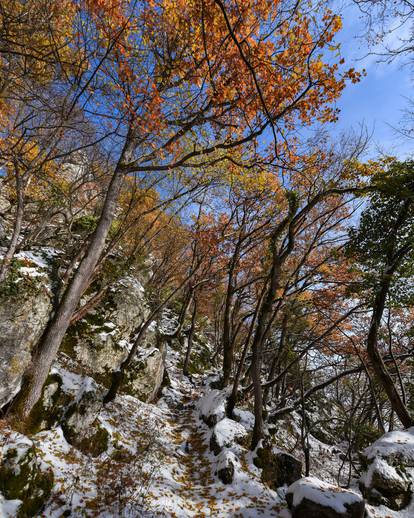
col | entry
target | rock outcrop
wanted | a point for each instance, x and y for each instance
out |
(146, 373)
(25, 306)
(309, 497)
(389, 470)
(81, 426)
(278, 467)
(99, 342)
(102, 339)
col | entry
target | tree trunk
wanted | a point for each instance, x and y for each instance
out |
(277, 358)
(262, 331)
(231, 403)
(228, 342)
(375, 357)
(190, 339)
(46, 351)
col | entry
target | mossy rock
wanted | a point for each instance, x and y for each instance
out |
(51, 407)
(16, 285)
(22, 478)
(82, 428)
(85, 224)
(94, 444)
(278, 467)
(145, 377)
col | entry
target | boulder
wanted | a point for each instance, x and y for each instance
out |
(145, 375)
(25, 306)
(225, 433)
(52, 406)
(23, 476)
(81, 426)
(309, 497)
(389, 470)
(212, 406)
(100, 341)
(225, 466)
(278, 467)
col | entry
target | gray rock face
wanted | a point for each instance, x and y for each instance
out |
(25, 305)
(145, 376)
(278, 467)
(81, 426)
(99, 342)
(5, 205)
(389, 470)
(312, 498)
(3, 230)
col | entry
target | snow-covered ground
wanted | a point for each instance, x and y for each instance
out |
(159, 462)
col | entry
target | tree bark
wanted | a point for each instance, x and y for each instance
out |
(262, 331)
(266, 314)
(393, 261)
(375, 357)
(190, 338)
(277, 358)
(228, 342)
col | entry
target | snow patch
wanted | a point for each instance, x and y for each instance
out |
(226, 431)
(323, 494)
(381, 467)
(397, 443)
(213, 404)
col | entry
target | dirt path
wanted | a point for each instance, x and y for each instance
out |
(189, 487)
(197, 478)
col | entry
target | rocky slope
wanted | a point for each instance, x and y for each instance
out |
(164, 447)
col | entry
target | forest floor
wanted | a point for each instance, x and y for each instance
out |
(159, 463)
(197, 491)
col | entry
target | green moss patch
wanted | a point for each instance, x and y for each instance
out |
(21, 478)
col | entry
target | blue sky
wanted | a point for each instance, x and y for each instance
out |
(379, 100)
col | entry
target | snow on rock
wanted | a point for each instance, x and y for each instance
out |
(226, 432)
(9, 508)
(212, 406)
(72, 383)
(245, 418)
(310, 496)
(25, 479)
(380, 468)
(398, 445)
(225, 466)
(39, 258)
(389, 470)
